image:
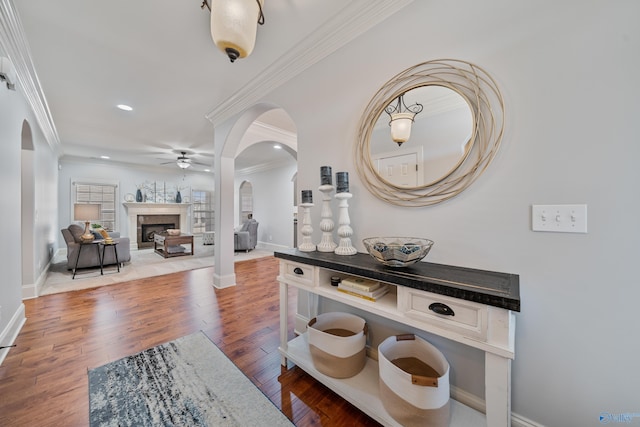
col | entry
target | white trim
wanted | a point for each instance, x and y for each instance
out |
(221, 282)
(14, 43)
(10, 333)
(356, 18)
(266, 246)
(473, 401)
(262, 167)
(33, 290)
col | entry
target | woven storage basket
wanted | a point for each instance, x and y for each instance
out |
(337, 344)
(414, 381)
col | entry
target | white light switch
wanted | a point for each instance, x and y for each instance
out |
(559, 218)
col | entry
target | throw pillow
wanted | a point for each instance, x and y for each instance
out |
(104, 233)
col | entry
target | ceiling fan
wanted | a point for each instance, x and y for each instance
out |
(185, 162)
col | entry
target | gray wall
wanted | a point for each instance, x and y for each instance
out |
(272, 204)
(568, 71)
(126, 176)
(42, 190)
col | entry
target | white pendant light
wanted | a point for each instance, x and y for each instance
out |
(401, 127)
(233, 25)
(401, 119)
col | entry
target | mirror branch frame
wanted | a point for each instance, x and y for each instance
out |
(480, 91)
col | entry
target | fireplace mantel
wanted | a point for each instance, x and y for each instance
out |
(134, 209)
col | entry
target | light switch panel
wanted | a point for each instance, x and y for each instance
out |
(559, 218)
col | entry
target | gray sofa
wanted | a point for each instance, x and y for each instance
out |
(89, 256)
(246, 238)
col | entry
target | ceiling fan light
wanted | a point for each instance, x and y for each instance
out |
(234, 26)
(183, 163)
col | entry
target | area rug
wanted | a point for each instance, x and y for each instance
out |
(186, 382)
(144, 263)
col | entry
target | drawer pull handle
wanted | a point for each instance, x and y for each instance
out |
(298, 270)
(440, 308)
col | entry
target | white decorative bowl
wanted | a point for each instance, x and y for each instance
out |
(173, 231)
(397, 251)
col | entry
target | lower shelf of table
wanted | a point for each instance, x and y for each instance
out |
(170, 255)
(362, 390)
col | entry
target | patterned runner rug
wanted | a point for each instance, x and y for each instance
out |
(186, 382)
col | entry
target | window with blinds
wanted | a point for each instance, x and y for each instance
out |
(203, 211)
(103, 194)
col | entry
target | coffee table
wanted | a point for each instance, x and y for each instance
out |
(166, 242)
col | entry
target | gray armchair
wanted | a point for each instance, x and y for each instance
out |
(90, 258)
(247, 238)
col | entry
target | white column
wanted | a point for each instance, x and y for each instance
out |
(224, 274)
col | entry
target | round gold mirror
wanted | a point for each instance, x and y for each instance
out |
(439, 140)
(429, 133)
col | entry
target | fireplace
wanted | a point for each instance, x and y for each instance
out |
(148, 225)
(150, 230)
(155, 213)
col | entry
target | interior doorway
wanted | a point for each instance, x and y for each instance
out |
(246, 202)
(28, 212)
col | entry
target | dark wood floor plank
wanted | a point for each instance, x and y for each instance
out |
(44, 382)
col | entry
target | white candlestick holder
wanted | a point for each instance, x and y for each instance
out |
(306, 230)
(344, 230)
(326, 224)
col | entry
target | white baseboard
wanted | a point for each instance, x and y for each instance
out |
(271, 247)
(474, 402)
(32, 290)
(520, 421)
(10, 333)
(220, 282)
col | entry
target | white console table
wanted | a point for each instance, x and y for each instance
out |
(483, 304)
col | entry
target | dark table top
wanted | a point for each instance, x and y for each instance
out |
(485, 287)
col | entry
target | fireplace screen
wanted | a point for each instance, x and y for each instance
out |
(149, 230)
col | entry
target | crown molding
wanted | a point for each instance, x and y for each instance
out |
(15, 45)
(356, 18)
(273, 133)
(262, 167)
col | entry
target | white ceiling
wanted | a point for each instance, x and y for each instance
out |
(158, 57)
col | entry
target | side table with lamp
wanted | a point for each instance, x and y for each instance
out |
(86, 212)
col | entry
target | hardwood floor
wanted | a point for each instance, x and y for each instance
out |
(43, 381)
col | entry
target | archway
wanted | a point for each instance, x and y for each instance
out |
(27, 208)
(245, 201)
(229, 142)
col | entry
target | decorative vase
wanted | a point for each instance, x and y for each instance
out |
(178, 197)
(138, 195)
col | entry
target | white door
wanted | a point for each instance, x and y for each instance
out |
(400, 169)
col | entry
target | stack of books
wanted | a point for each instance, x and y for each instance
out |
(363, 288)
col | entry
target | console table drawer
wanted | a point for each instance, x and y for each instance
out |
(302, 274)
(464, 317)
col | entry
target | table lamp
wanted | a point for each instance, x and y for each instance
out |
(86, 212)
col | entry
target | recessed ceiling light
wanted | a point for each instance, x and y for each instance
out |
(105, 157)
(207, 170)
(124, 107)
(277, 146)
